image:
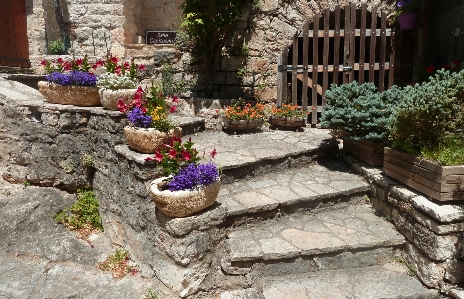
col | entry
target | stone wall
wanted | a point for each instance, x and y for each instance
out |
(119, 26)
(434, 230)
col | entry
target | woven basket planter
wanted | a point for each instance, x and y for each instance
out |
(287, 122)
(85, 96)
(248, 124)
(183, 203)
(110, 98)
(148, 141)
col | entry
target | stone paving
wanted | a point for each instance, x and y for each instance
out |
(354, 227)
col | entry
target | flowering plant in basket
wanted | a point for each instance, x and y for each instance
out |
(151, 111)
(76, 72)
(240, 110)
(288, 110)
(122, 75)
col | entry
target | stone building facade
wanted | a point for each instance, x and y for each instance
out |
(119, 27)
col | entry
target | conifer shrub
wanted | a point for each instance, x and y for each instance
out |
(360, 110)
(429, 119)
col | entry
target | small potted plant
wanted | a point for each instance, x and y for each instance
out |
(241, 115)
(187, 187)
(118, 82)
(149, 126)
(288, 116)
(70, 82)
(407, 12)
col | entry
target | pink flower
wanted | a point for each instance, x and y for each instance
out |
(59, 60)
(100, 63)
(173, 109)
(43, 62)
(213, 153)
(175, 99)
(114, 59)
(172, 153)
(117, 70)
(158, 156)
(142, 67)
(79, 61)
(126, 65)
(67, 66)
(122, 106)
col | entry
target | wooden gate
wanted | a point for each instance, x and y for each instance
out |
(329, 50)
(14, 48)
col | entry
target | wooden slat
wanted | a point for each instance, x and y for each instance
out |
(352, 40)
(336, 44)
(3, 24)
(315, 65)
(431, 166)
(383, 51)
(346, 50)
(284, 75)
(14, 48)
(325, 76)
(330, 68)
(391, 69)
(294, 73)
(357, 32)
(372, 46)
(304, 96)
(362, 43)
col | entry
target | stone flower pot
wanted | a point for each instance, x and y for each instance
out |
(110, 98)
(70, 95)
(287, 122)
(148, 140)
(183, 203)
(407, 21)
(247, 124)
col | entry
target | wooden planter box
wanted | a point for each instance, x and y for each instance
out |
(443, 183)
(228, 124)
(287, 122)
(365, 150)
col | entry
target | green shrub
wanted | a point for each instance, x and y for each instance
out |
(82, 213)
(57, 47)
(360, 110)
(429, 120)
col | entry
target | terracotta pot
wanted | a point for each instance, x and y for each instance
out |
(70, 95)
(183, 203)
(228, 124)
(110, 98)
(287, 122)
(148, 140)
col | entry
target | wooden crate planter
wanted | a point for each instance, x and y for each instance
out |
(365, 150)
(443, 183)
(287, 122)
(250, 124)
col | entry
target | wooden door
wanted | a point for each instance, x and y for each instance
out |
(338, 47)
(14, 48)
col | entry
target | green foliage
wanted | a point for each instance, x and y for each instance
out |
(245, 49)
(118, 263)
(360, 110)
(27, 184)
(82, 213)
(170, 86)
(430, 118)
(151, 293)
(57, 48)
(208, 23)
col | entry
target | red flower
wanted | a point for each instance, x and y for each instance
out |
(142, 67)
(175, 99)
(59, 60)
(126, 65)
(67, 66)
(43, 62)
(173, 109)
(213, 153)
(446, 67)
(114, 59)
(122, 106)
(457, 61)
(186, 155)
(117, 70)
(172, 153)
(100, 63)
(158, 156)
(79, 61)
(430, 69)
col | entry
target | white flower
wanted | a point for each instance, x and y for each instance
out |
(114, 82)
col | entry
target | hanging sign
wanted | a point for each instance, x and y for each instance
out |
(161, 37)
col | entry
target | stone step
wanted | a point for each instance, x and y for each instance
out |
(252, 155)
(388, 281)
(333, 239)
(313, 187)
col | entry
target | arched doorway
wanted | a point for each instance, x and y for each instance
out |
(14, 48)
(339, 46)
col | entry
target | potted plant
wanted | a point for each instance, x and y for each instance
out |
(118, 82)
(149, 126)
(187, 187)
(241, 115)
(427, 133)
(288, 116)
(70, 82)
(360, 114)
(407, 12)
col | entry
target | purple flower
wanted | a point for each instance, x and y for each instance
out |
(137, 118)
(193, 175)
(78, 78)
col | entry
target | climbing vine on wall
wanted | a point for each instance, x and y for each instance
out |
(208, 24)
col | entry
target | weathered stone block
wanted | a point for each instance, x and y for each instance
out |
(431, 273)
(183, 250)
(455, 271)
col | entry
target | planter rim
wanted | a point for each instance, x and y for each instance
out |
(155, 191)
